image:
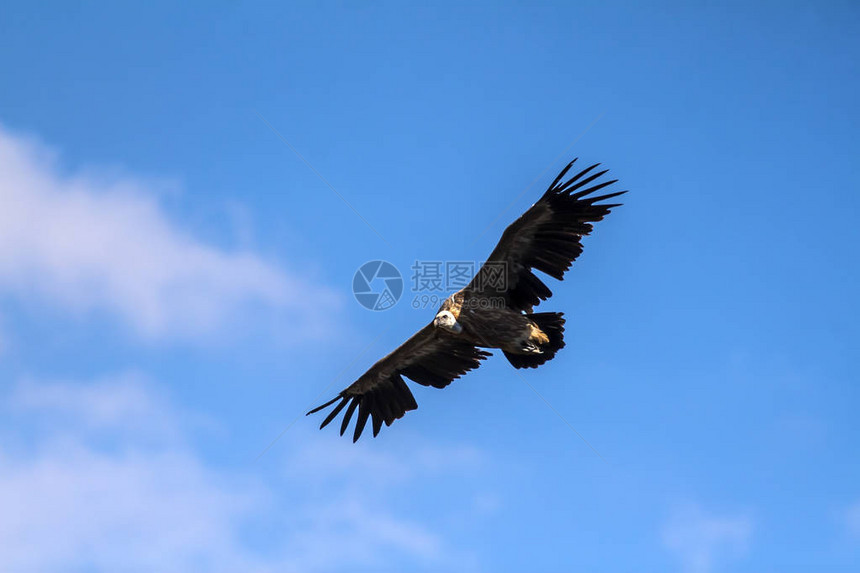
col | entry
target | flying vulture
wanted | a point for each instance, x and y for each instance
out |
(493, 311)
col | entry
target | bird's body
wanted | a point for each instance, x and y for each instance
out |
(495, 310)
(493, 324)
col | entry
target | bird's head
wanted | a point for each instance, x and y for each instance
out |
(445, 319)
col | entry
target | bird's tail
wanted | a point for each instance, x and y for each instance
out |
(552, 325)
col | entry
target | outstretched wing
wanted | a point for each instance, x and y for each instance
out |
(430, 357)
(547, 238)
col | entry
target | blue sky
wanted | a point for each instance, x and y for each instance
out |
(175, 286)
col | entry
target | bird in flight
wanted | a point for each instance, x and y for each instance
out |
(495, 310)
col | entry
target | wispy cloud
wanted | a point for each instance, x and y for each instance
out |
(345, 516)
(700, 540)
(852, 520)
(4, 340)
(69, 502)
(102, 476)
(85, 243)
(125, 406)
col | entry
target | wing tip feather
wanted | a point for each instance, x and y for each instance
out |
(324, 406)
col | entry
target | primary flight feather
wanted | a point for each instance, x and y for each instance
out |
(495, 310)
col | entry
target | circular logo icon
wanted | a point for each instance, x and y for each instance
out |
(377, 285)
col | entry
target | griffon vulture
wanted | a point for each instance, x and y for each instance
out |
(493, 311)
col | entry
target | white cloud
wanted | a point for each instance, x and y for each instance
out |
(126, 406)
(346, 521)
(69, 503)
(86, 243)
(700, 540)
(72, 507)
(74, 496)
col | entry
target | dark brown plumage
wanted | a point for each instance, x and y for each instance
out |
(489, 312)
